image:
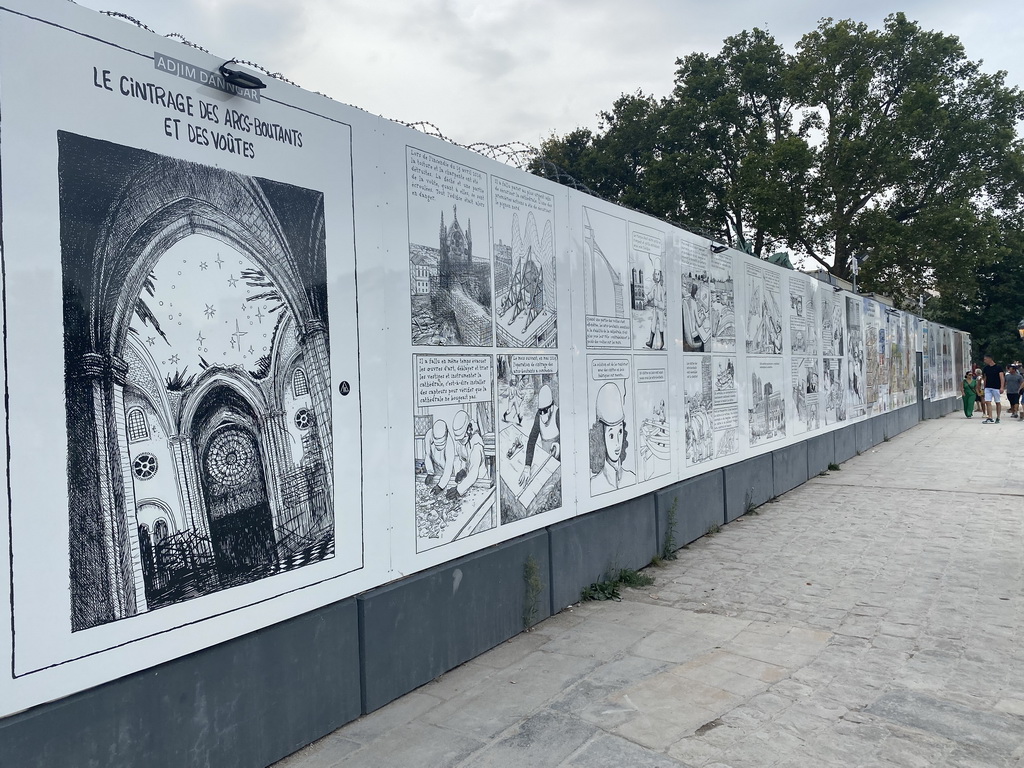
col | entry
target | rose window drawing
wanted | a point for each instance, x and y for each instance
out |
(303, 419)
(144, 466)
(231, 459)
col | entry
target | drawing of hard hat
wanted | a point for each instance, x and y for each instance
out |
(440, 434)
(609, 404)
(460, 425)
(544, 398)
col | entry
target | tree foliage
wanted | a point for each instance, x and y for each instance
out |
(884, 142)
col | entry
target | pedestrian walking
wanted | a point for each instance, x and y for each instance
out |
(970, 393)
(1014, 382)
(995, 385)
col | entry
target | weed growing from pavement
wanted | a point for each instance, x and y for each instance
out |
(534, 586)
(609, 588)
(833, 467)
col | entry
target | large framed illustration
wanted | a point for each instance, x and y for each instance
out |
(197, 378)
(178, 259)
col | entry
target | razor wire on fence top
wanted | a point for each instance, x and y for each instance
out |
(518, 154)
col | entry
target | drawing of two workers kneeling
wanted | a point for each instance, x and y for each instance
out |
(462, 447)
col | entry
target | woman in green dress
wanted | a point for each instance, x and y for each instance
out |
(969, 394)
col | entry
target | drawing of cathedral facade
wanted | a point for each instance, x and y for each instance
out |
(197, 379)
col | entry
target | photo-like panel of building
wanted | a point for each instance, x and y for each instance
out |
(197, 378)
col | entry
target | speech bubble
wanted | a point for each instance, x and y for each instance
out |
(452, 380)
(605, 369)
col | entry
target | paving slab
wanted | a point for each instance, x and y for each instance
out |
(873, 616)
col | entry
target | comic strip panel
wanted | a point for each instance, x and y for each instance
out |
(449, 279)
(803, 317)
(530, 432)
(854, 357)
(764, 311)
(611, 442)
(834, 389)
(455, 465)
(653, 439)
(605, 262)
(833, 327)
(872, 368)
(708, 300)
(647, 291)
(524, 265)
(712, 407)
(805, 393)
(767, 412)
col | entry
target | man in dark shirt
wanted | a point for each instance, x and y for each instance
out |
(995, 383)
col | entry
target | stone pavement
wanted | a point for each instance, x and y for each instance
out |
(871, 617)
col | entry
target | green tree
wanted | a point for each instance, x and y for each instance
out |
(912, 158)
(888, 143)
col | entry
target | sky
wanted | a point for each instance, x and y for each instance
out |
(501, 71)
(201, 301)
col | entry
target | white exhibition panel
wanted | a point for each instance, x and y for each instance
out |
(263, 354)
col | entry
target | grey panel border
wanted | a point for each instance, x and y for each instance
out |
(751, 481)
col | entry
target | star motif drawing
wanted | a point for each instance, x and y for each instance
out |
(203, 266)
(251, 350)
(259, 314)
(209, 311)
(200, 338)
(232, 281)
(218, 261)
(174, 359)
(150, 340)
(236, 337)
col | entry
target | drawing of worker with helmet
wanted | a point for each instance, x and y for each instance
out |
(608, 443)
(469, 448)
(440, 459)
(546, 429)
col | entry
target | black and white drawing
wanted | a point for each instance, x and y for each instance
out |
(806, 384)
(764, 311)
(872, 363)
(529, 435)
(712, 407)
(449, 276)
(854, 357)
(708, 300)
(767, 412)
(803, 316)
(833, 325)
(654, 445)
(605, 263)
(455, 447)
(197, 379)
(834, 390)
(648, 296)
(611, 441)
(524, 266)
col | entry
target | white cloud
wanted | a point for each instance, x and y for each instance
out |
(502, 70)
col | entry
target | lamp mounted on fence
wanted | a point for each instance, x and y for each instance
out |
(1020, 330)
(240, 79)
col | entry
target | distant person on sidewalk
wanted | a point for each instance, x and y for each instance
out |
(970, 394)
(995, 385)
(979, 388)
(1014, 381)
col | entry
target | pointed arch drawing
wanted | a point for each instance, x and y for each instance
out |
(121, 210)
